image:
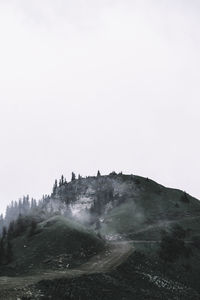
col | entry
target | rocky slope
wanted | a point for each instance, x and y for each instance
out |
(116, 236)
(124, 205)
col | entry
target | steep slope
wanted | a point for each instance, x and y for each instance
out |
(151, 209)
(122, 205)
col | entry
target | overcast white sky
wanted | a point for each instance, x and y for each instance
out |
(98, 84)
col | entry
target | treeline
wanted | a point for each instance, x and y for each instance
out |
(63, 192)
(6, 251)
(28, 206)
(15, 229)
(24, 207)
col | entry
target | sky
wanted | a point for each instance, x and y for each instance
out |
(95, 84)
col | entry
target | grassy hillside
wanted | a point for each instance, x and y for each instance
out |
(58, 243)
(137, 210)
(118, 204)
(148, 208)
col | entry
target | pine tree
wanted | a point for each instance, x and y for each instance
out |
(20, 226)
(2, 251)
(20, 206)
(4, 233)
(1, 223)
(55, 186)
(73, 176)
(11, 230)
(9, 252)
(98, 174)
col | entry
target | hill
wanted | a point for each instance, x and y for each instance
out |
(57, 243)
(116, 236)
(124, 205)
(114, 205)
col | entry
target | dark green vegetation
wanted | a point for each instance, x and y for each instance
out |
(53, 244)
(173, 245)
(74, 225)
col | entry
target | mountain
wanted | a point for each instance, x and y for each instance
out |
(123, 205)
(121, 236)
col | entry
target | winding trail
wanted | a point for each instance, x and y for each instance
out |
(112, 257)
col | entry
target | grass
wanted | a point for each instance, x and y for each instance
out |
(57, 242)
(148, 208)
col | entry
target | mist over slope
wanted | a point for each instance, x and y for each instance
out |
(113, 205)
(97, 235)
(56, 243)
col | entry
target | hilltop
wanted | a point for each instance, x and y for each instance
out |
(105, 230)
(102, 200)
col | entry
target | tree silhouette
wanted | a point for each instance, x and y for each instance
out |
(11, 229)
(73, 176)
(55, 186)
(2, 251)
(4, 233)
(9, 252)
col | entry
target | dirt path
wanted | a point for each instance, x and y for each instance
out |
(165, 223)
(117, 253)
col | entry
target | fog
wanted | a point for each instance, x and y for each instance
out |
(88, 85)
